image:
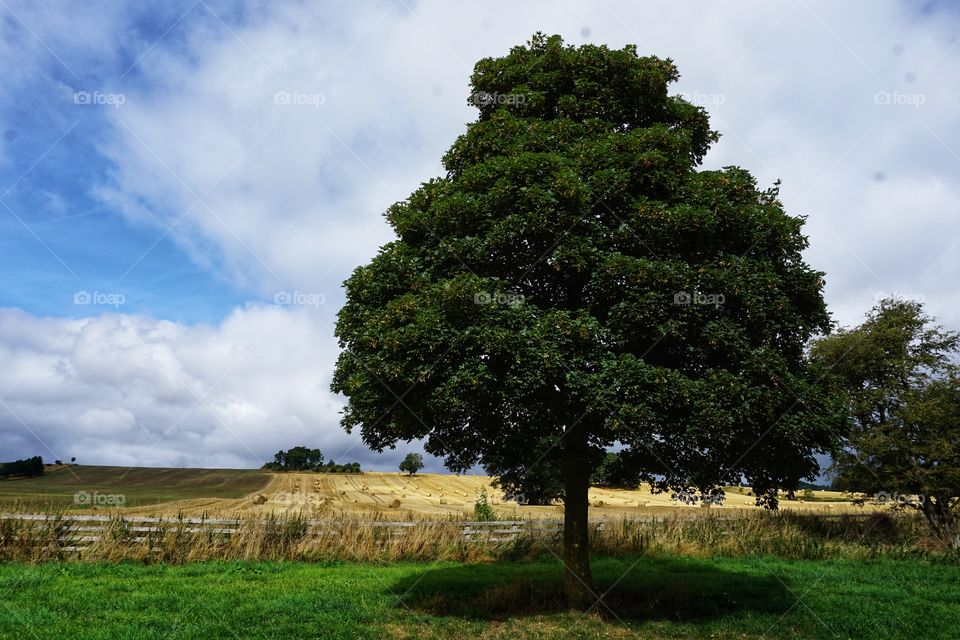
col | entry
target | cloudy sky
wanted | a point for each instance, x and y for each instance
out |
(184, 185)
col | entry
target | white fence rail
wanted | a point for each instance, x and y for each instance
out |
(76, 530)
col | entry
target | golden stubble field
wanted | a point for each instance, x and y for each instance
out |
(402, 497)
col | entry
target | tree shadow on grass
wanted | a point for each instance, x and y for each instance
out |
(680, 590)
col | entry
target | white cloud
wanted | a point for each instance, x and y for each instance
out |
(131, 390)
(296, 191)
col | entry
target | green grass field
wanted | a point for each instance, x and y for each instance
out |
(668, 597)
(140, 486)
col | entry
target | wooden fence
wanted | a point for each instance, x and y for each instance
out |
(77, 531)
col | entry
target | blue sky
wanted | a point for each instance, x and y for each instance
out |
(58, 237)
(180, 197)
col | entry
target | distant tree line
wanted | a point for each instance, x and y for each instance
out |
(304, 459)
(27, 468)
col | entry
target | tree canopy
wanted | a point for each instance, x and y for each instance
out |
(304, 459)
(28, 468)
(411, 463)
(573, 284)
(901, 376)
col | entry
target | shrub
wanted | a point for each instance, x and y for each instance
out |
(482, 511)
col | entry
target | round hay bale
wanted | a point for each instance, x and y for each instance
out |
(599, 503)
(395, 504)
(260, 499)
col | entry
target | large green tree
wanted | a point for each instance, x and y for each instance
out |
(575, 284)
(900, 371)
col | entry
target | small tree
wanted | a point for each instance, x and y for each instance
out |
(904, 400)
(412, 463)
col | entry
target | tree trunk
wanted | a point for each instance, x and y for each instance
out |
(577, 579)
(941, 517)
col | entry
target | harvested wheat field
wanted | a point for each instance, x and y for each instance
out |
(402, 497)
(149, 491)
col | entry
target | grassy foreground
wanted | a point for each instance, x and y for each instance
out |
(648, 597)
